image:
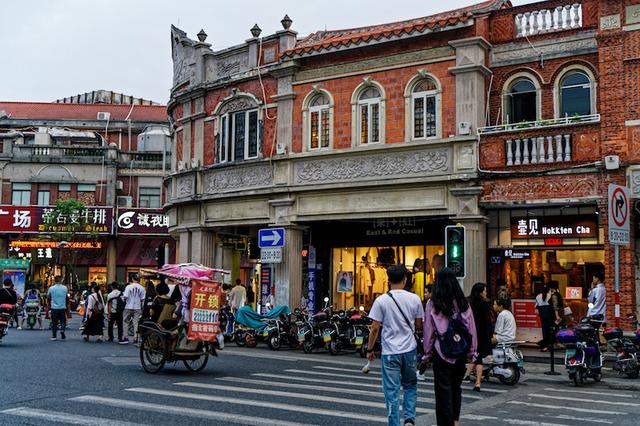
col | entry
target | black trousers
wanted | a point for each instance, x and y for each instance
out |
(448, 389)
(58, 320)
(115, 319)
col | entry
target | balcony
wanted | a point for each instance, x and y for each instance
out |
(556, 148)
(60, 153)
(143, 160)
(560, 18)
(529, 125)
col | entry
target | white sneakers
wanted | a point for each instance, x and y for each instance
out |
(420, 377)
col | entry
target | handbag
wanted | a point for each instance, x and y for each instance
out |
(419, 346)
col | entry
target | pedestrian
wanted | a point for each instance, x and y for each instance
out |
(150, 295)
(134, 296)
(505, 330)
(400, 314)
(450, 339)
(479, 302)
(57, 296)
(237, 296)
(32, 298)
(95, 315)
(251, 296)
(428, 289)
(115, 309)
(545, 312)
(597, 300)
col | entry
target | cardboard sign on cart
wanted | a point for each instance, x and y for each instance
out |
(204, 316)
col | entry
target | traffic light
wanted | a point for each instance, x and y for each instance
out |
(455, 250)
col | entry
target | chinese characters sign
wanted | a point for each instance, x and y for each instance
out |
(35, 219)
(142, 221)
(204, 323)
(541, 227)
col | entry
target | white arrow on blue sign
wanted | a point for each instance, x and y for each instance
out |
(271, 237)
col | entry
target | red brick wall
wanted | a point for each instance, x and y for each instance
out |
(209, 142)
(179, 143)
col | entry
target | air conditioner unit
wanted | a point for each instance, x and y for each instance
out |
(104, 116)
(195, 163)
(119, 185)
(182, 165)
(464, 128)
(125, 201)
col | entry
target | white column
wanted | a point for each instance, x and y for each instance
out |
(518, 153)
(534, 22)
(541, 149)
(509, 153)
(287, 276)
(549, 149)
(558, 148)
(557, 24)
(567, 147)
(534, 150)
(519, 25)
(525, 151)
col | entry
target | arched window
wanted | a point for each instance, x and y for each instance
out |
(239, 132)
(575, 94)
(319, 123)
(423, 109)
(522, 101)
(369, 115)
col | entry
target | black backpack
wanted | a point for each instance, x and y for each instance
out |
(456, 341)
(120, 304)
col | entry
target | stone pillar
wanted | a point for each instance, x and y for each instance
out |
(112, 255)
(285, 98)
(184, 249)
(203, 247)
(287, 276)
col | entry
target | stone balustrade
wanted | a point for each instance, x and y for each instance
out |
(538, 150)
(548, 20)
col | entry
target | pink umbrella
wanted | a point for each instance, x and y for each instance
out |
(186, 271)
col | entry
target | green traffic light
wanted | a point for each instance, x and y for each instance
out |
(455, 252)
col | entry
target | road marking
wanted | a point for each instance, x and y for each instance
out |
(582, 419)
(263, 404)
(350, 384)
(592, 401)
(617, 395)
(73, 419)
(345, 376)
(378, 394)
(122, 360)
(555, 407)
(293, 395)
(270, 355)
(531, 423)
(181, 411)
(349, 370)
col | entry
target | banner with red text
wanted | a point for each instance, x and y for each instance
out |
(204, 321)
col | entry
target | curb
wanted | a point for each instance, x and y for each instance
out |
(626, 387)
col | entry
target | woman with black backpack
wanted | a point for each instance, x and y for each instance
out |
(450, 340)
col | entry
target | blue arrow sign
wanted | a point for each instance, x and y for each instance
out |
(271, 237)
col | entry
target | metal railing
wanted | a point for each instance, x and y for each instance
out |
(549, 20)
(540, 124)
(24, 151)
(144, 160)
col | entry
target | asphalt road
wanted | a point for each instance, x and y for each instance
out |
(72, 382)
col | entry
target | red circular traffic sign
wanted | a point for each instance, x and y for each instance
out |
(620, 207)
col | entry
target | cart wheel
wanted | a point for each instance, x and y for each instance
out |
(152, 353)
(195, 365)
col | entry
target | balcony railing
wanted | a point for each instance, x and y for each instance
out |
(549, 20)
(549, 149)
(581, 119)
(143, 160)
(26, 151)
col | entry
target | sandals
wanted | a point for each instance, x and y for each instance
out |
(476, 388)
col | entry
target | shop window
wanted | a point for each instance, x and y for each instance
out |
(21, 194)
(575, 94)
(319, 124)
(369, 116)
(423, 100)
(43, 198)
(86, 187)
(521, 100)
(239, 136)
(149, 197)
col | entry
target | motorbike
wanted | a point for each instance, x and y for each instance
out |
(350, 332)
(32, 311)
(6, 315)
(583, 358)
(282, 331)
(627, 349)
(311, 332)
(506, 363)
(227, 322)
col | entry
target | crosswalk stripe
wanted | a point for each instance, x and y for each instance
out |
(582, 419)
(263, 404)
(476, 417)
(564, 407)
(589, 401)
(182, 411)
(73, 419)
(349, 370)
(309, 358)
(346, 376)
(616, 395)
(350, 384)
(322, 398)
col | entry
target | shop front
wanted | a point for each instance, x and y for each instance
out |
(528, 248)
(352, 256)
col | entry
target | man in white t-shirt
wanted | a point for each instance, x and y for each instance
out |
(398, 344)
(134, 295)
(505, 330)
(237, 296)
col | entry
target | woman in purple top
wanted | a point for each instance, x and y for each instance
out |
(446, 301)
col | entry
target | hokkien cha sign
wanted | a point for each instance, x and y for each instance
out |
(36, 219)
(204, 316)
(540, 227)
(142, 222)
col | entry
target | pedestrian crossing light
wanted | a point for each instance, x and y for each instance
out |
(455, 249)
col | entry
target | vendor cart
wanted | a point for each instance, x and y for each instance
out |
(195, 336)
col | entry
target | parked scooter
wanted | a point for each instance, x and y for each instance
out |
(6, 315)
(311, 333)
(506, 363)
(282, 331)
(627, 349)
(583, 358)
(350, 332)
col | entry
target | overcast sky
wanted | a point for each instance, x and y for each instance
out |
(53, 49)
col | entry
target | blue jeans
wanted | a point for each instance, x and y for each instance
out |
(400, 370)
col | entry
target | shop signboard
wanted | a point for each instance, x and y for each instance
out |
(265, 286)
(14, 264)
(204, 321)
(517, 254)
(142, 222)
(311, 271)
(84, 245)
(34, 219)
(271, 255)
(545, 227)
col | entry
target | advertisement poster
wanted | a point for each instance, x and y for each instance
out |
(345, 282)
(527, 320)
(204, 323)
(18, 278)
(265, 288)
(311, 295)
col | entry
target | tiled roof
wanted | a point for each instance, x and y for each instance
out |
(328, 40)
(61, 111)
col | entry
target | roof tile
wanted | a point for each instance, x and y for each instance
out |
(62, 111)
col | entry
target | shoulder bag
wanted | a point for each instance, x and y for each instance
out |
(419, 347)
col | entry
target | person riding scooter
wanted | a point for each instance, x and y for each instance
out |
(32, 307)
